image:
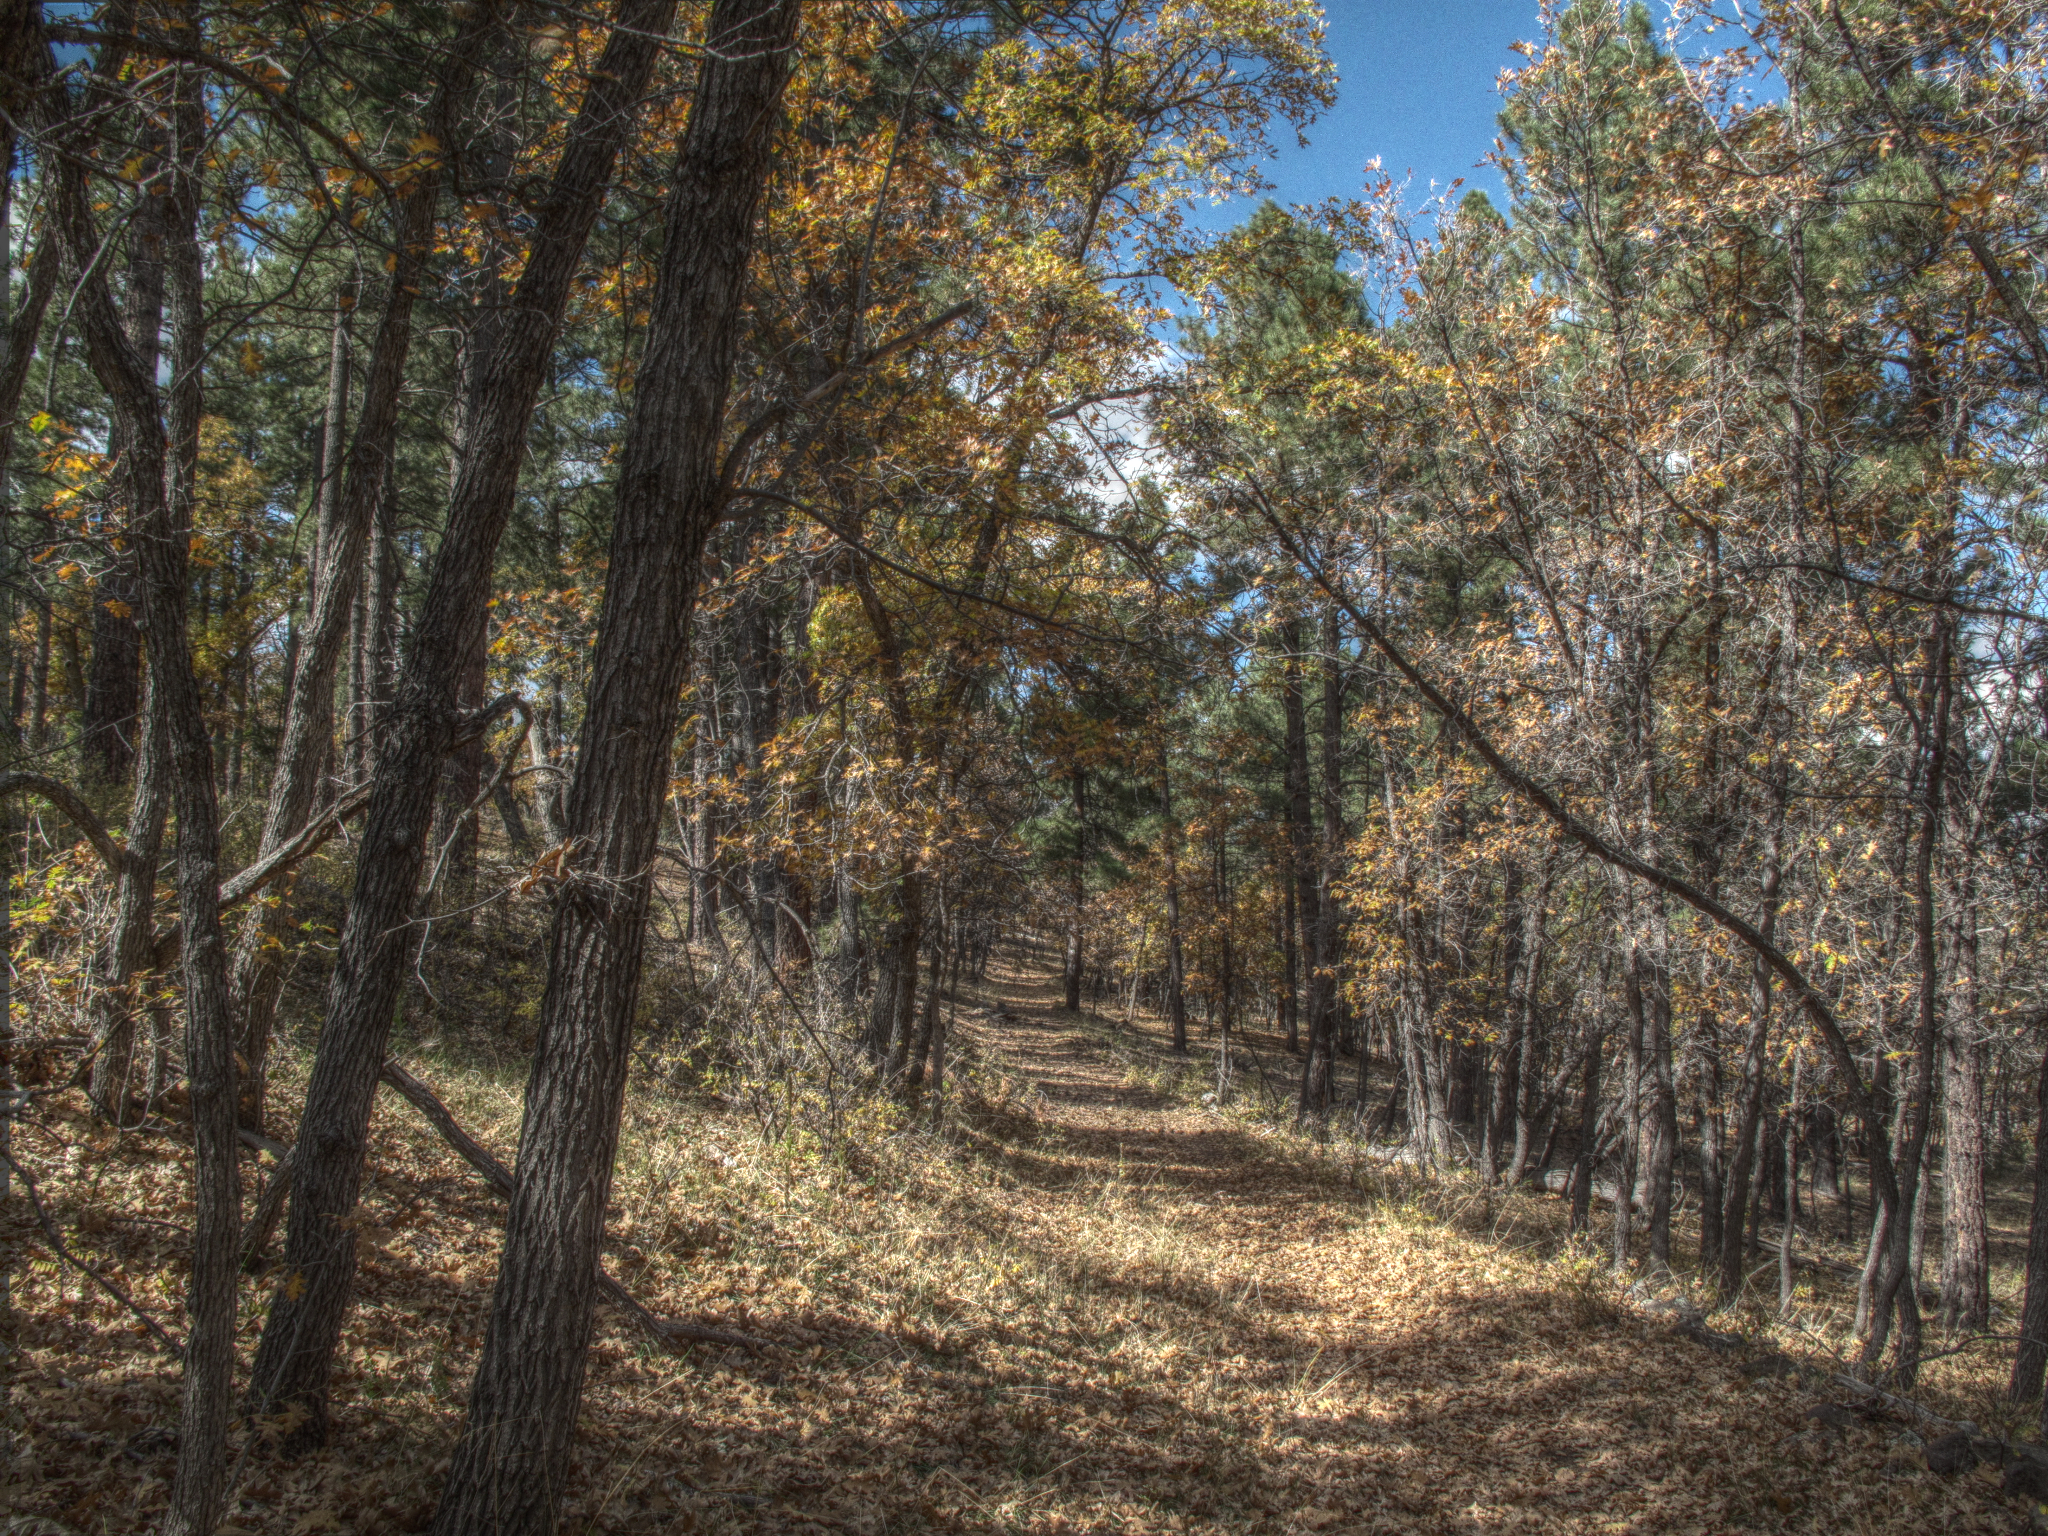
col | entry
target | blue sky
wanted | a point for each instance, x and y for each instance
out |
(1416, 87)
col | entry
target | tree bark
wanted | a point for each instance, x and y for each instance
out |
(1318, 1060)
(1708, 1124)
(512, 1461)
(1176, 973)
(1756, 1046)
(2030, 1359)
(1898, 1285)
(1965, 1228)
(1632, 1118)
(1588, 1148)
(1077, 893)
(124, 373)
(113, 682)
(1301, 846)
(1790, 1230)
(296, 1352)
(352, 494)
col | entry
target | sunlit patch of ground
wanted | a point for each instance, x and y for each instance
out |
(1094, 1305)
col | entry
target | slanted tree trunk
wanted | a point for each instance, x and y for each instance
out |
(513, 1458)
(129, 949)
(296, 1352)
(352, 495)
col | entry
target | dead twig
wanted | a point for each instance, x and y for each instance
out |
(169, 1345)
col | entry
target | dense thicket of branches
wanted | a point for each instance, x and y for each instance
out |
(711, 481)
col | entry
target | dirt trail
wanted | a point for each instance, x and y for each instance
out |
(1089, 1095)
(1355, 1353)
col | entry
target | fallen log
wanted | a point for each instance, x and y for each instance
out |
(664, 1330)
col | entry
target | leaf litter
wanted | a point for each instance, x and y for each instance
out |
(1094, 1306)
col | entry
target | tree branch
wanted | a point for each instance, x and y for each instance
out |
(499, 1177)
(761, 425)
(113, 853)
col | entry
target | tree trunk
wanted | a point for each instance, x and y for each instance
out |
(1290, 968)
(351, 499)
(1313, 1104)
(299, 1336)
(513, 1459)
(1898, 1287)
(1588, 1148)
(128, 377)
(1789, 1231)
(1632, 1114)
(1965, 1236)
(1077, 895)
(462, 780)
(1176, 963)
(113, 684)
(1708, 1125)
(2031, 1357)
(1755, 1048)
(130, 946)
(1301, 845)
(1663, 1118)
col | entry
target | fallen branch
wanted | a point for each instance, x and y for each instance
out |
(1892, 1400)
(1731, 1343)
(499, 1177)
(169, 1345)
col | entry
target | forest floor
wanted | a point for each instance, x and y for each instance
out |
(1094, 1304)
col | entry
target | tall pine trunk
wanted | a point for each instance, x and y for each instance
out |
(1077, 893)
(1318, 1061)
(1176, 960)
(513, 1459)
(1301, 844)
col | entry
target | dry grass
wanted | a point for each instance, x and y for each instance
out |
(1094, 1305)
